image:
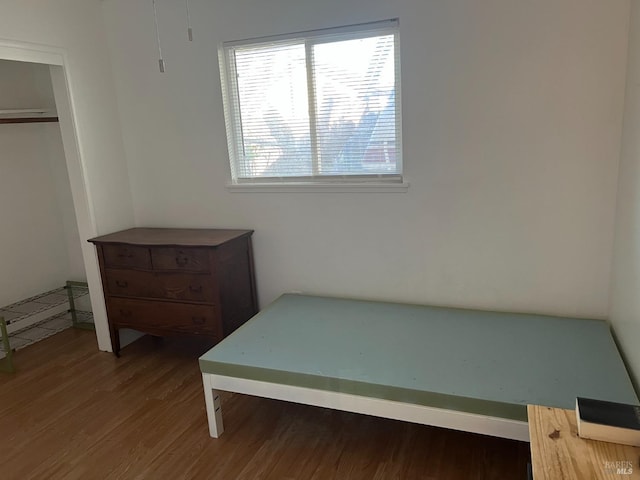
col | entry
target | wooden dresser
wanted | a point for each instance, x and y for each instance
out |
(168, 281)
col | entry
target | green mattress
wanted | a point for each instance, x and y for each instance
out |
(480, 362)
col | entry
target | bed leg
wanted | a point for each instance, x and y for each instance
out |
(214, 407)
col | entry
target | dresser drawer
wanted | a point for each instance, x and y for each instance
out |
(191, 287)
(130, 256)
(152, 317)
(130, 283)
(188, 287)
(181, 259)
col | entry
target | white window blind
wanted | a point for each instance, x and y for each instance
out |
(321, 106)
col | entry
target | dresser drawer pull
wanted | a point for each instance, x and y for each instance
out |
(197, 289)
(122, 283)
(182, 261)
(198, 320)
(126, 255)
(125, 313)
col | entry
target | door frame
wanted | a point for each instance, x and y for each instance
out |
(72, 142)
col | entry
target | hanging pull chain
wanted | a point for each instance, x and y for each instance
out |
(155, 17)
(189, 22)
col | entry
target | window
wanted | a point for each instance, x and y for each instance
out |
(320, 106)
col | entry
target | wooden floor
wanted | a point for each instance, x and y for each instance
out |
(72, 412)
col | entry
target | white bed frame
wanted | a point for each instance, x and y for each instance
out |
(437, 417)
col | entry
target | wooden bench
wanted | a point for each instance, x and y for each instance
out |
(467, 370)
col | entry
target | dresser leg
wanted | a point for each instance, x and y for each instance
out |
(214, 407)
(115, 341)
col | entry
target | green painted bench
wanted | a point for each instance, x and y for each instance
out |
(463, 369)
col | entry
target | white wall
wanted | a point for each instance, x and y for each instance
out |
(91, 130)
(67, 216)
(33, 251)
(512, 118)
(76, 26)
(625, 282)
(39, 245)
(25, 85)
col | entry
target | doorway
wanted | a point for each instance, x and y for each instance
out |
(84, 223)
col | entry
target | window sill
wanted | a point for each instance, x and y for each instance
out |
(318, 187)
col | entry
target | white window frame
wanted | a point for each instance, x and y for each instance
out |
(317, 183)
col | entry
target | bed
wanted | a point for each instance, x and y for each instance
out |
(467, 370)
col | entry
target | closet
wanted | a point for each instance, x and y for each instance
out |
(40, 246)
